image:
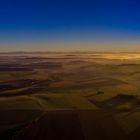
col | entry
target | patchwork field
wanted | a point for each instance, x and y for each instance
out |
(99, 91)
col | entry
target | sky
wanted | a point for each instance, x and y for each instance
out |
(101, 25)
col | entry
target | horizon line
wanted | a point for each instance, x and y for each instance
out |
(46, 52)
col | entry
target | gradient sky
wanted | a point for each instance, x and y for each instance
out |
(66, 24)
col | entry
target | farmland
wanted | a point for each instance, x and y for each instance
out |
(93, 88)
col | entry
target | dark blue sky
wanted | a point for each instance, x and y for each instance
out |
(69, 19)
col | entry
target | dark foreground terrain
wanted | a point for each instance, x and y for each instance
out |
(71, 125)
(69, 96)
